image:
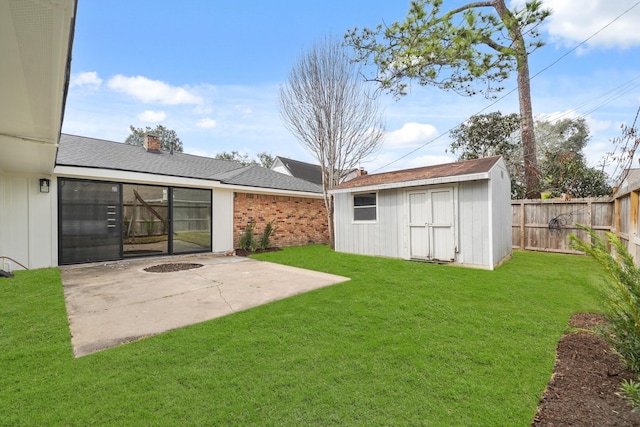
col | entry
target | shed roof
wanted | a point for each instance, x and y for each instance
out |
(80, 151)
(448, 172)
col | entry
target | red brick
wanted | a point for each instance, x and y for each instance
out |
(298, 221)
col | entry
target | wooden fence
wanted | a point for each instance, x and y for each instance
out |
(545, 225)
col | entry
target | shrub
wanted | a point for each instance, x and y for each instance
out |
(622, 301)
(269, 230)
(630, 391)
(149, 223)
(247, 239)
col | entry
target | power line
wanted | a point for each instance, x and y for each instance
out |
(516, 88)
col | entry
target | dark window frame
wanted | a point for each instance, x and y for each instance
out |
(121, 255)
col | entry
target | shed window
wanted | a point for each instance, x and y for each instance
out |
(364, 207)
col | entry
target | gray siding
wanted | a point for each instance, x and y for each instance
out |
(483, 222)
(473, 223)
(381, 238)
(501, 212)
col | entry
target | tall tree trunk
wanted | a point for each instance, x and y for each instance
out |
(329, 206)
(531, 176)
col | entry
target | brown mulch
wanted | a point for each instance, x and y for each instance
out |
(243, 252)
(171, 267)
(587, 375)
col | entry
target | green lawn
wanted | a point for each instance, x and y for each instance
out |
(402, 343)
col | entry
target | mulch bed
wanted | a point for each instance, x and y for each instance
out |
(587, 375)
(171, 267)
(245, 253)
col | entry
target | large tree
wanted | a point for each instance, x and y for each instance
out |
(169, 140)
(492, 134)
(327, 107)
(563, 165)
(476, 44)
(562, 168)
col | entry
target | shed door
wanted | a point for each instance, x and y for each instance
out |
(431, 224)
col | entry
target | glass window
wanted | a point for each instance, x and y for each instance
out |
(365, 207)
(145, 220)
(191, 220)
(89, 223)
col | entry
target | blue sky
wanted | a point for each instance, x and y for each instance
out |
(211, 71)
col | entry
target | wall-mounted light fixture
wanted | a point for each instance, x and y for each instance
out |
(44, 185)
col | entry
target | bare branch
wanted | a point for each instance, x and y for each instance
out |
(327, 107)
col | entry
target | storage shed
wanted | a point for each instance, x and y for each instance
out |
(456, 213)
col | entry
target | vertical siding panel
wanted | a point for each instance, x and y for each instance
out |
(15, 216)
(501, 214)
(474, 223)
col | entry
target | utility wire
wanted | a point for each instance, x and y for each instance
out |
(516, 88)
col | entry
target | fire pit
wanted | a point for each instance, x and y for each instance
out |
(168, 268)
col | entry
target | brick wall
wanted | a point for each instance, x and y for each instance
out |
(298, 220)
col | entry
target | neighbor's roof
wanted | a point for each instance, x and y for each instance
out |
(421, 176)
(79, 151)
(307, 171)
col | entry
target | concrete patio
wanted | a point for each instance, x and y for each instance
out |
(112, 303)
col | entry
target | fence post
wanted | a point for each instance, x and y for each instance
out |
(522, 223)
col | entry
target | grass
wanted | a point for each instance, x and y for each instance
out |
(201, 238)
(402, 343)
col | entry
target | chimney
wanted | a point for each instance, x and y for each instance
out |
(361, 172)
(152, 143)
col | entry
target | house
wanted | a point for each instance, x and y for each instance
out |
(116, 200)
(307, 171)
(457, 212)
(66, 199)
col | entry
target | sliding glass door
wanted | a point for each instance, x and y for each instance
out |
(191, 213)
(101, 221)
(145, 228)
(89, 221)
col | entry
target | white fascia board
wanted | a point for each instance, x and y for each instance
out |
(271, 191)
(417, 183)
(146, 178)
(132, 177)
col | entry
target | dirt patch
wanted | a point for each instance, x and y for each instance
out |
(170, 267)
(586, 377)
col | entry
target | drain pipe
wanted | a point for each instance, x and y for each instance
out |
(5, 271)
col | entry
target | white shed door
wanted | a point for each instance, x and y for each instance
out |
(431, 224)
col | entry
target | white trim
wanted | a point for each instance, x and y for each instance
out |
(147, 178)
(272, 191)
(130, 177)
(353, 207)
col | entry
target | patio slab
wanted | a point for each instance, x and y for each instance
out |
(112, 303)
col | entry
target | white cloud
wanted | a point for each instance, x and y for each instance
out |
(410, 135)
(572, 22)
(206, 123)
(152, 116)
(88, 79)
(153, 91)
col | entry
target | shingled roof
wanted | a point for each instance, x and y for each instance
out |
(79, 151)
(421, 175)
(307, 171)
